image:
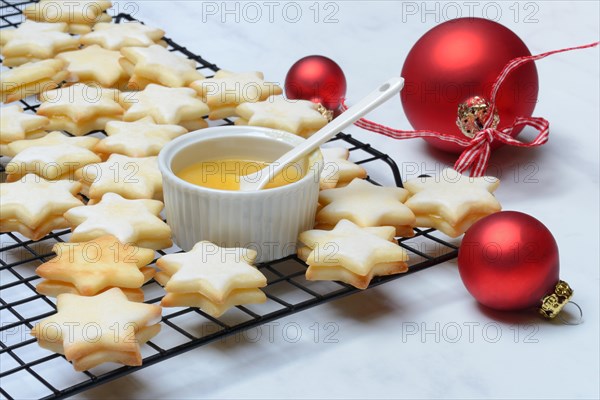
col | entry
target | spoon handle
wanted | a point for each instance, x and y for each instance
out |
(347, 118)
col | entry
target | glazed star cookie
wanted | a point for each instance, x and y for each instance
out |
(142, 138)
(175, 106)
(92, 267)
(80, 108)
(82, 29)
(452, 202)
(120, 327)
(34, 206)
(132, 178)
(54, 156)
(125, 34)
(227, 90)
(155, 64)
(94, 64)
(30, 79)
(211, 278)
(352, 254)
(16, 125)
(130, 221)
(50, 139)
(337, 170)
(35, 41)
(303, 251)
(296, 116)
(54, 162)
(80, 15)
(366, 205)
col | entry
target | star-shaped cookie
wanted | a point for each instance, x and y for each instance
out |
(366, 204)
(303, 251)
(296, 116)
(227, 90)
(53, 162)
(82, 29)
(211, 278)
(16, 125)
(30, 79)
(34, 41)
(117, 322)
(34, 206)
(337, 170)
(94, 64)
(130, 177)
(141, 138)
(125, 34)
(452, 202)
(158, 65)
(51, 139)
(80, 108)
(176, 106)
(80, 11)
(93, 266)
(130, 221)
(211, 270)
(352, 254)
(80, 15)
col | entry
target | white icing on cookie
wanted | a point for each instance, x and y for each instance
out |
(33, 200)
(230, 88)
(132, 178)
(80, 102)
(116, 36)
(36, 40)
(165, 105)
(116, 320)
(295, 116)
(157, 64)
(94, 64)
(212, 271)
(452, 198)
(51, 162)
(365, 204)
(142, 138)
(351, 247)
(130, 221)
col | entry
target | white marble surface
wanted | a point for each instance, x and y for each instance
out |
(375, 356)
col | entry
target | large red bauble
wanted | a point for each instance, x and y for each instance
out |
(460, 59)
(318, 79)
(509, 261)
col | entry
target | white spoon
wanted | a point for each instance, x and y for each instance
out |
(259, 179)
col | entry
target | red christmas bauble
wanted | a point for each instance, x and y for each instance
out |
(509, 261)
(318, 79)
(458, 60)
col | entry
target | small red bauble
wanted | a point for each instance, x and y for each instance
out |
(318, 79)
(509, 261)
(456, 61)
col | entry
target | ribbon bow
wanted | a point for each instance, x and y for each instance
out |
(477, 154)
(477, 150)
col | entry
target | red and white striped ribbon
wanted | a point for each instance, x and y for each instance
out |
(477, 150)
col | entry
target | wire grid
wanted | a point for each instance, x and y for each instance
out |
(33, 372)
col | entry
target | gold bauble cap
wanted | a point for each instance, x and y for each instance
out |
(472, 115)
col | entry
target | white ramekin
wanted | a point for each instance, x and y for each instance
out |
(268, 221)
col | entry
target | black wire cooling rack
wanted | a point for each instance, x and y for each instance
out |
(27, 371)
